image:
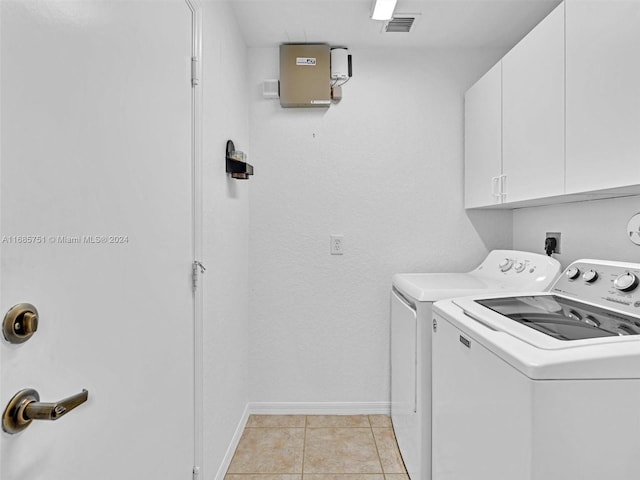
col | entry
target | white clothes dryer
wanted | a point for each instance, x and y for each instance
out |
(412, 298)
(543, 385)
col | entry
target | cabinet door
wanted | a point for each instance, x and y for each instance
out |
(533, 112)
(483, 140)
(603, 94)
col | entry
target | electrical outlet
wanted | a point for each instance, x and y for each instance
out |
(336, 245)
(557, 236)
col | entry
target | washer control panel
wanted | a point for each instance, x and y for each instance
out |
(519, 270)
(514, 262)
(610, 284)
(517, 265)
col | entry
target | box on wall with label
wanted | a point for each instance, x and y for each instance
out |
(305, 71)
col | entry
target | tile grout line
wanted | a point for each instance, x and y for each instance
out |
(375, 442)
(304, 446)
(339, 426)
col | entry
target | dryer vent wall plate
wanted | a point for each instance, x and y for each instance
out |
(271, 89)
(633, 229)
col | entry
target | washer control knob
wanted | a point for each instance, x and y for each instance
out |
(626, 282)
(590, 276)
(506, 264)
(572, 273)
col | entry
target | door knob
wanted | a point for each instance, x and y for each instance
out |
(25, 406)
(20, 323)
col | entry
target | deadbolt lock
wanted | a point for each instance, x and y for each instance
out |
(20, 323)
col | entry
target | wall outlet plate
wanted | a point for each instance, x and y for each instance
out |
(557, 236)
(336, 246)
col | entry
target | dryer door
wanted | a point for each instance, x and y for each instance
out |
(404, 357)
(404, 336)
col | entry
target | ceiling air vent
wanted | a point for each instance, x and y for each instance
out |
(399, 24)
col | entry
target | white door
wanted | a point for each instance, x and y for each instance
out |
(96, 233)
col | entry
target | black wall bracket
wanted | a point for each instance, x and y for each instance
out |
(236, 164)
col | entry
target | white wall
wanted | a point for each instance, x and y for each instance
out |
(593, 229)
(225, 233)
(383, 168)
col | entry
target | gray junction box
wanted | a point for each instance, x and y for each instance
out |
(305, 71)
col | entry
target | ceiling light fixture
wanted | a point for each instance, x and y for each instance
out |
(383, 9)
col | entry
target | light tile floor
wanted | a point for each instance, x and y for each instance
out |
(317, 447)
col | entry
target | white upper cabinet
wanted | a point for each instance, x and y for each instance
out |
(566, 107)
(603, 94)
(483, 140)
(533, 113)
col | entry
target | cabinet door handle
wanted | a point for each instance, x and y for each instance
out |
(503, 186)
(495, 187)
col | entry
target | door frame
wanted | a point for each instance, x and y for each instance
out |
(197, 235)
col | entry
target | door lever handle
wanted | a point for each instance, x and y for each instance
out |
(25, 406)
(53, 411)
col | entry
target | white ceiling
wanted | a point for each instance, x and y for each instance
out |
(441, 23)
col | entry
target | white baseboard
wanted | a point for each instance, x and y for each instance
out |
(235, 440)
(319, 408)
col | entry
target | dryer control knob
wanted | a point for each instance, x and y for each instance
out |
(626, 282)
(572, 273)
(590, 276)
(519, 267)
(506, 264)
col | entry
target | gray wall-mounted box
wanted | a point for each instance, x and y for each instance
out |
(305, 72)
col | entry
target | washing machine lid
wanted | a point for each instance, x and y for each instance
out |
(533, 349)
(563, 318)
(431, 287)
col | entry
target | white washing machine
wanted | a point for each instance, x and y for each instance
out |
(411, 319)
(541, 386)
